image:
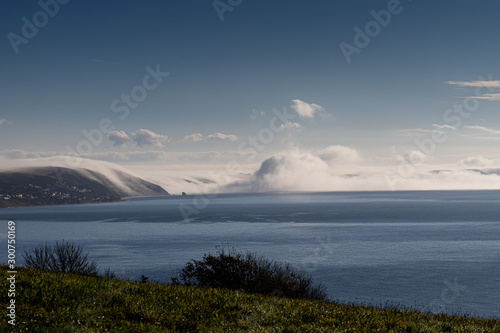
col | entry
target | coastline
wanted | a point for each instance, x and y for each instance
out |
(89, 202)
(62, 204)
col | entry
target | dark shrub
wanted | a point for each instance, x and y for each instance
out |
(64, 257)
(251, 273)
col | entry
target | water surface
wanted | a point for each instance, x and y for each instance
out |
(437, 251)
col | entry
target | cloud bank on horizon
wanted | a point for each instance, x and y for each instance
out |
(337, 168)
(334, 168)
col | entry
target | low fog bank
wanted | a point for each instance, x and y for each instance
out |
(335, 168)
(339, 168)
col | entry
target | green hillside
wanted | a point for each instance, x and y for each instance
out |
(57, 302)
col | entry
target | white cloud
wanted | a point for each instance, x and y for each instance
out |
(289, 172)
(144, 137)
(193, 138)
(141, 138)
(339, 154)
(475, 161)
(119, 138)
(303, 171)
(221, 137)
(306, 110)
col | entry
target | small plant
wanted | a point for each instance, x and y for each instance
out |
(144, 279)
(249, 272)
(64, 257)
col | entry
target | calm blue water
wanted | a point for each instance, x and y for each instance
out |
(437, 251)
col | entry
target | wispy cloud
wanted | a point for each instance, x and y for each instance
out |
(425, 131)
(5, 121)
(488, 97)
(487, 83)
(211, 137)
(21, 154)
(413, 131)
(490, 84)
(445, 127)
(483, 129)
(256, 113)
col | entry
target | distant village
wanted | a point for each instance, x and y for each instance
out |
(35, 195)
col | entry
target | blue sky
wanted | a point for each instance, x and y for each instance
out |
(226, 76)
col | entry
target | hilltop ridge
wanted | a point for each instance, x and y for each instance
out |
(34, 186)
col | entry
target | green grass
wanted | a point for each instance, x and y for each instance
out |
(58, 302)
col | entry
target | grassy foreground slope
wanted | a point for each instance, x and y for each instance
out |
(58, 302)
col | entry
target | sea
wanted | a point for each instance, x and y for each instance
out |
(436, 251)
